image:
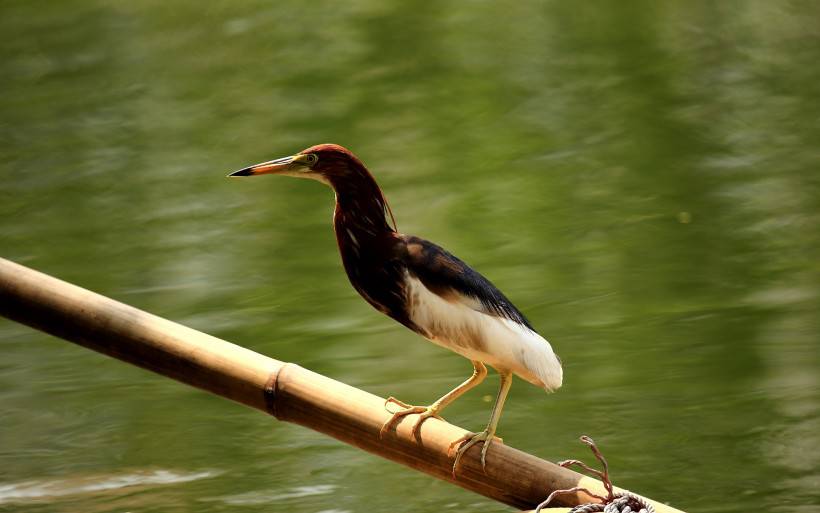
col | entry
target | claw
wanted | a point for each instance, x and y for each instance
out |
(425, 412)
(470, 439)
(393, 400)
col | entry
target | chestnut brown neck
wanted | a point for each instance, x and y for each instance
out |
(360, 205)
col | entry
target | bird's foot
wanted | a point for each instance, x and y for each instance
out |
(469, 440)
(424, 412)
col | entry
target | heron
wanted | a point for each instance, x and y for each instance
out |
(424, 287)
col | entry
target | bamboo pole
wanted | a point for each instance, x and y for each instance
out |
(284, 390)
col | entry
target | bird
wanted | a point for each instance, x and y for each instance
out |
(425, 288)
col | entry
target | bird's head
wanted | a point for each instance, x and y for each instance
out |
(337, 167)
(328, 163)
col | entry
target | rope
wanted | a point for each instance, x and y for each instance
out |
(620, 502)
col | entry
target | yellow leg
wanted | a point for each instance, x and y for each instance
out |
(486, 436)
(425, 412)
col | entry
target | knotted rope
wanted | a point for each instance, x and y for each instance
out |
(621, 502)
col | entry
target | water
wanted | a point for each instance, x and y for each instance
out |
(641, 179)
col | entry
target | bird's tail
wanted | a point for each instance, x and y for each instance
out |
(549, 370)
(543, 367)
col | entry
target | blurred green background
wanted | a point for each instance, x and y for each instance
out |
(640, 178)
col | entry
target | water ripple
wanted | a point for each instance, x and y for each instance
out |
(268, 497)
(40, 489)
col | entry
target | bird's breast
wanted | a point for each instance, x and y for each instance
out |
(373, 272)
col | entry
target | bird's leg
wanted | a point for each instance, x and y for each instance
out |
(425, 412)
(486, 436)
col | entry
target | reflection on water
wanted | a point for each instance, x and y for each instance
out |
(639, 178)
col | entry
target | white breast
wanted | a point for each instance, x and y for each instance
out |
(459, 325)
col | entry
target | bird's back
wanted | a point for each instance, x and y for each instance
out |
(461, 310)
(434, 293)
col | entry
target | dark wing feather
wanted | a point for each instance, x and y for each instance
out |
(444, 274)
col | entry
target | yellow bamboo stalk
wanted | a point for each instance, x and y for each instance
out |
(284, 390)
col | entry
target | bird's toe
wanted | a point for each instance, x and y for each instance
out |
(426, 414)
(424, 411)
(393, 400)
(468, 440)
(486, 446)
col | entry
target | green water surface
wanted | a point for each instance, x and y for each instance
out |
(641, 178)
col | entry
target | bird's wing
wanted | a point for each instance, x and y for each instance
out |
(447, 276)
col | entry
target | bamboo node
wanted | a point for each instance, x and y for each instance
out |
(272, 388)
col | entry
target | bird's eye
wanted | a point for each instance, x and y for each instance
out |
(311, 159)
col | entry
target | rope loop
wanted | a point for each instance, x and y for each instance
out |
(620, 502)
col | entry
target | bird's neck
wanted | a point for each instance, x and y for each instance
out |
(360, 207)
(360, 218)
(362, 231)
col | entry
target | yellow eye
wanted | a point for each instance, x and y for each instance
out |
(311, 159)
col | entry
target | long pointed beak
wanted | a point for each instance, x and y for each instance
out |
(263, 168)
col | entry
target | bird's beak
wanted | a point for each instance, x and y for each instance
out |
(285, 165)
